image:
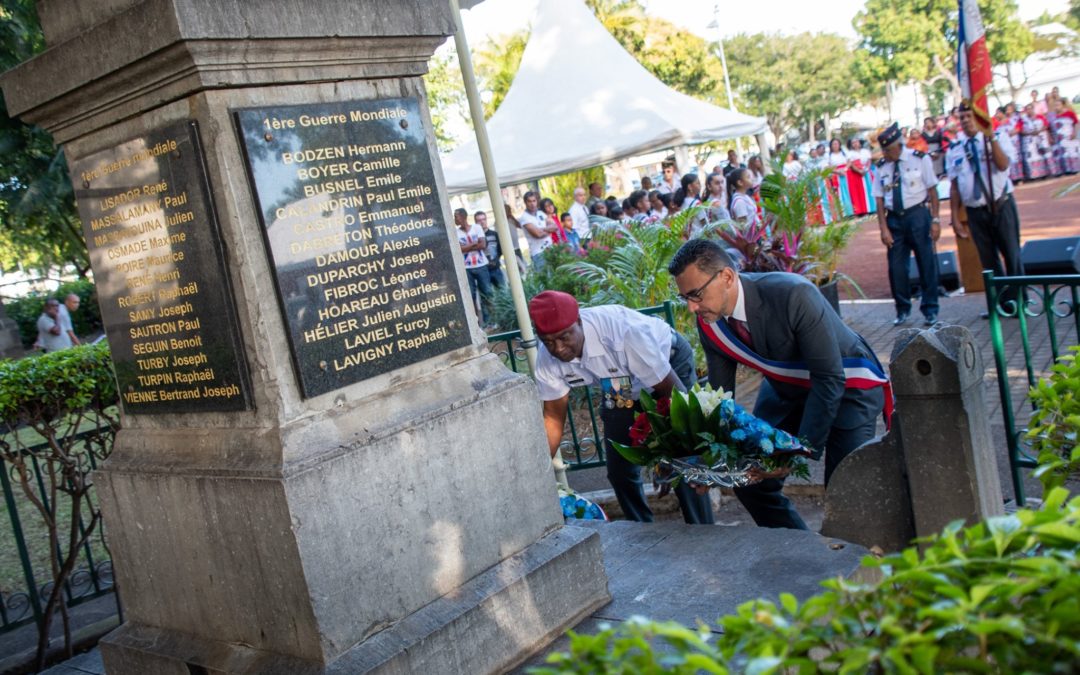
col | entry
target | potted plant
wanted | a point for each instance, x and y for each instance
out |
(792, 205)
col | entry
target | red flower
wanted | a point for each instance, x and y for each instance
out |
(641, 429)
(663, 406)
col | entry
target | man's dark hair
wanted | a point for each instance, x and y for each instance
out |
(705, 254)
(592, 185)
(530, 193)
(636, 196)
(564, 216)
(461, 212)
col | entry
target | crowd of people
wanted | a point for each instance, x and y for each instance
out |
(895, 174)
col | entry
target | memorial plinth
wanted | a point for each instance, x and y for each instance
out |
(321, 466)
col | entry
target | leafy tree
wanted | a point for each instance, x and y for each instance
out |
(39, 224)
(496, 63)
(677, 57)
(560, 188)
(446, 97)
(791, 80)
(916, 39)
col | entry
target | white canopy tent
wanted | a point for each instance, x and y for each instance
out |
(579, 100)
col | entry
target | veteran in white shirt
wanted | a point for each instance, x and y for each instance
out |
(621, 351)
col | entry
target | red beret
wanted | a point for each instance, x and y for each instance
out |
(553, 311)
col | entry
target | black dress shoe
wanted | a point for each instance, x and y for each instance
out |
(930, 319)
(900, 318)
(984, 315)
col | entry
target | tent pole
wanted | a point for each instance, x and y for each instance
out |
(502, 228)
(763, 149)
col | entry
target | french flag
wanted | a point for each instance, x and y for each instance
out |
(973, 60)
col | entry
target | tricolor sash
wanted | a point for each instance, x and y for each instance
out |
(859, 373)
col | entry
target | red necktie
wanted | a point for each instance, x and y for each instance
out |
(742, 331)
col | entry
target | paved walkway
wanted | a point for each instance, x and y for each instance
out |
(1042, 216)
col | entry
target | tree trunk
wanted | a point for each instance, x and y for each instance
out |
(810, 130)
(828, 123)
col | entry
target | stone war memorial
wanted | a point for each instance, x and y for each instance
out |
(296, 488)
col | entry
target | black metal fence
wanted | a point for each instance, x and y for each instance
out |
(1028, 337)
(22, 603)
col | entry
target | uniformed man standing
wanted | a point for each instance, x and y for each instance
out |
(993, 225)
(905, 182)
(622, 351)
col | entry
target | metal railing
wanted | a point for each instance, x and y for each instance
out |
(92, 577)
(1049, 300)
(581, 451)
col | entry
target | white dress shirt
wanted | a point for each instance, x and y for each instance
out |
(619, 342)
(958, 166)
(916, 175)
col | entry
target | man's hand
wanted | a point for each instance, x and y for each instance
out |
(758, 475)
(935, 229)
(960, 229)
(886, 237)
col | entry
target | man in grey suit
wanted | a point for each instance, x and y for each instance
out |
(819, 374)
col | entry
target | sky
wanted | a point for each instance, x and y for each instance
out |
(499, 17)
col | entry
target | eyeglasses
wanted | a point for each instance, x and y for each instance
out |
(695, 295)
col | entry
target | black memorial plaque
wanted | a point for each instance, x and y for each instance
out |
(355, 233)
(159, 267)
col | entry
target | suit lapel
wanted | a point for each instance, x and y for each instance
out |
(755, 318)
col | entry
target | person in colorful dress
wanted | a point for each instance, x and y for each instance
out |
(1034, 144)
(1011, 127)
(838, 161)
(1066, 145)
(856, 178)
(560, 235)
(866, 158)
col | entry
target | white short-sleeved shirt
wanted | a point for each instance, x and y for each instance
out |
(52, 343)
(665, 188)
(537, 245)
(473, 259)
(619, 342)
(580, 215)
(958, 167)
(744, 208)
(916, 175)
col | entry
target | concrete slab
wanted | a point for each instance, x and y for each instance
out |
(690, 573)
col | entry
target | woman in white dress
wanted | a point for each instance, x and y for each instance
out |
(687, 197)
(716, 198)
(743, 207)
(792, 166)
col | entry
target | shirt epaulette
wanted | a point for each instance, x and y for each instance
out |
(918, 153)
(881, 162)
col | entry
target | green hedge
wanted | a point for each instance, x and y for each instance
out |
(1002, 596)
(26, 310)
(41, 390)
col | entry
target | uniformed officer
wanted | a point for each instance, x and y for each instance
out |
(994, 226)
(623, 352)
(905, 182)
